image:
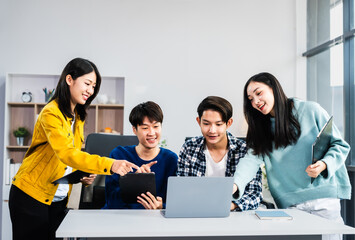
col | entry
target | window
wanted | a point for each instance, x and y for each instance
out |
(326, 71)
(330, 73)
(330, 65)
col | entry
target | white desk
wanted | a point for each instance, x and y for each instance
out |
(137, 224)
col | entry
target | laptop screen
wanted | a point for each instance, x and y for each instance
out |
(199, 197)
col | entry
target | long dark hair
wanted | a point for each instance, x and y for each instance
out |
(287, 128)
(75, 68)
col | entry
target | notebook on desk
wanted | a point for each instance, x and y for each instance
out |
(272, 215)
(198, 197)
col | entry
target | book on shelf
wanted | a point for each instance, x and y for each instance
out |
(11, 170)
(274, 214)
(7, 171)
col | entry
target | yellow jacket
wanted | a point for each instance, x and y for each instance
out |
(54, 146)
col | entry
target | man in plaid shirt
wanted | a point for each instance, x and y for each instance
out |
(217, 152)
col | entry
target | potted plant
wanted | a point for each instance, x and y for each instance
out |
(20, 135)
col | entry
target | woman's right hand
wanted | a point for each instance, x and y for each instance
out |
(316, 168)
(122, 167)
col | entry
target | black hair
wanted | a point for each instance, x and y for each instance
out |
(149, 109)
(218, 104)
(287, 128)
(75, 68)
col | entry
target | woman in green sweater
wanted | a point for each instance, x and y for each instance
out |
(281, 132)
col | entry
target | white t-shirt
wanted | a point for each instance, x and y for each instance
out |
(214, 169)
(63, 189)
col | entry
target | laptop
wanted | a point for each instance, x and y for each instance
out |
(321, 145)
(198, 197)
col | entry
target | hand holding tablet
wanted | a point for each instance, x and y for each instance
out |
(134, 184)
(149, 201)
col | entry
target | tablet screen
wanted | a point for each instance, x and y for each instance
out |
(134, 184)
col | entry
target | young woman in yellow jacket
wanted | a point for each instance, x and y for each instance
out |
(37, 206)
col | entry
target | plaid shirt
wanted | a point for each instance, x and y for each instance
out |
(192, 162)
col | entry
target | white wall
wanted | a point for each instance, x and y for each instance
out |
(174, 52)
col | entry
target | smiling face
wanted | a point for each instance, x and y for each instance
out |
(81, 88)
(148, 133)
(213, 128)
(261, 97)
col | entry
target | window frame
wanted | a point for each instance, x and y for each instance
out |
(347, 38)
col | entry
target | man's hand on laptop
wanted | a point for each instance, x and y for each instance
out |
(145, 168)
(149, 201)
(233, 206)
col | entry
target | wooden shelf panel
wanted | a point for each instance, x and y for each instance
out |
(17, 153)
(90, 122)
(17, 147)
(109, 105)
(110, 117)
(21, 116)
(25, 104)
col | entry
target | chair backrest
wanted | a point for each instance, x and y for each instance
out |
(93, 196)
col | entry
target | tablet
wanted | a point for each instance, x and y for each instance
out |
(134, 184)
(72, 178)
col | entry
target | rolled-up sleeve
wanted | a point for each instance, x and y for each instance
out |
(252, 195)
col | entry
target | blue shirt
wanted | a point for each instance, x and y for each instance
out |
(285, 167)
(192, 162)
(166, 166)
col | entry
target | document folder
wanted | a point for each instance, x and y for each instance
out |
(321, 145)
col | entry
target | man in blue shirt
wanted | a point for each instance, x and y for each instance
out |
(146, 119)
(217, 152)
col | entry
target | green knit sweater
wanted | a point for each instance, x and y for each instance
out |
(285, 167)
